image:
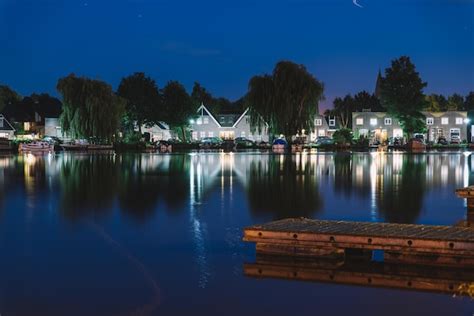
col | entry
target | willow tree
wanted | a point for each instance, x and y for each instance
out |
(90, 108)
(179, 106)
(286, 101)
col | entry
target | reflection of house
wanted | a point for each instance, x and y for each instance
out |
(381, 125)
(157, 132)
(6, 129)
(226, 125)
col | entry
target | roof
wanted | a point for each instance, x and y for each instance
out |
(6, 126)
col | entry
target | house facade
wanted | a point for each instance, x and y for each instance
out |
(225, 126)
(6, 129)
(380, 126)
(157, 132)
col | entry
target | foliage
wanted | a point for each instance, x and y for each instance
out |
(178, 105)
(200, 95)
(143, 100)
(436, 103)
(7, 96)
(469, 102)
(364, 100)
(90, 108)
(455, 102)
(287, 100)
(401, 93)
(342, 136)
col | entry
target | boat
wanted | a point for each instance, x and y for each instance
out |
(76, 145)
(164, 146)
(5, 144)
(36, 146)
(279, 145)
(100, 147)
(296, 147)
(415, 144)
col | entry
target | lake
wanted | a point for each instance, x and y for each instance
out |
(160, 234)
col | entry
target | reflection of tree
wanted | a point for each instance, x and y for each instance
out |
(343, 173)
(401, 200)
(88, 184)
(284, 187)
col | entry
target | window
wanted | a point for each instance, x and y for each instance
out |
(444, 120)
(332, 122)
(321, 132)
(359, 121)
(199, 121)
(242, 134)
(429, 121)
(203, 134)
(459, 120)
(319, 122)
(206, 120)
(194, 135)
(373, 121)
(388, 121)
(363, 132)
(210, 134)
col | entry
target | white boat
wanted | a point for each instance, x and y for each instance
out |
(36, 146)
(80, 145)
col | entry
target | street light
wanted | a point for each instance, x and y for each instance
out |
(466, 121)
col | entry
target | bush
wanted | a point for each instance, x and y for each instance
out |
(342, 136)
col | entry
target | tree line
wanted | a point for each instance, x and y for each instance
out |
(285, 101)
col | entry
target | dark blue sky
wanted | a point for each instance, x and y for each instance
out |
(222, 43)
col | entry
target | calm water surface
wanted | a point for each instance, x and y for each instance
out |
(155, 234)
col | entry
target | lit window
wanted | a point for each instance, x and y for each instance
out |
(359, 121)
(445, 120)
(459, 120)
(373, 121)
(429, 121)
(203, 134)
(319, 122)
(195, 135)
(321, 132)
(199, 121)
(242, 134)
(206, 120)
(388, 121)
(210, 134)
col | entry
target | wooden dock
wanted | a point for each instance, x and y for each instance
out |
(407, 243)
(374, 274)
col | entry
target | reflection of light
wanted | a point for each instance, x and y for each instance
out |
(30, 159)
(466, 153)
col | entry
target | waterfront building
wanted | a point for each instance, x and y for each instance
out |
(226, 125)
(6, 129)
(380, 126)
(157, 132)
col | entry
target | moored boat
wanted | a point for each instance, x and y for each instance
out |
(100, 147)
(415, 144)
(5, 144)
(36, 146)
(279, 145)
(77, 145)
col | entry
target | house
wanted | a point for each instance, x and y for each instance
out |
(157, 132)
(35, 116)
(228, 124)
(6, 129)
(380, 126)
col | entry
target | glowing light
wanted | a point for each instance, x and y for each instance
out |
(191, 121)
(466, 120)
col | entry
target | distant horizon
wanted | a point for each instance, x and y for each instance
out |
(222, 46)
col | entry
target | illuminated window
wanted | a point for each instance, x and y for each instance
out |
(373, 121)
(206, 120)
(210, 134)
(429, 121)
(359, 121)
(195, 135)
(319, 122)
(459, 120)
(242, 134)
(388, 121)
(203, 134)
(199, 121)
(445, 120)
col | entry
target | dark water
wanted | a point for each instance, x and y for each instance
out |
(155, 234)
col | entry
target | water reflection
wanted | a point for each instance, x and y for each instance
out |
(393, 185)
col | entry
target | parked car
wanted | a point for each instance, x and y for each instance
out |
(442, 140)
(395, 141)
(324, 140)
(242, 142)
(211, 142)
(455, 139)
(52, 140)
(420, 137)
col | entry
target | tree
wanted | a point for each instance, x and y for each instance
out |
(401, 93)
(436, 103)
(364, 100)
(7, 96)
(143, 99)
(178, 105)
(200, 95)
(287, 100)
(469, 102)
(90, 108)
(343, 109)
(455, 102)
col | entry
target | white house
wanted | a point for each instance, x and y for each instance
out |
(160, 131)
(6, 129)
(225, 125)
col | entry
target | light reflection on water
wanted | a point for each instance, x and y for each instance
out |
(177, 220)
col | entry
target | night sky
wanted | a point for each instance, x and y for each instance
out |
(222, 43)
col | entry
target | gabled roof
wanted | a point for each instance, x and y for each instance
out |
(240, 118)
(203, 108)
(6, 124)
